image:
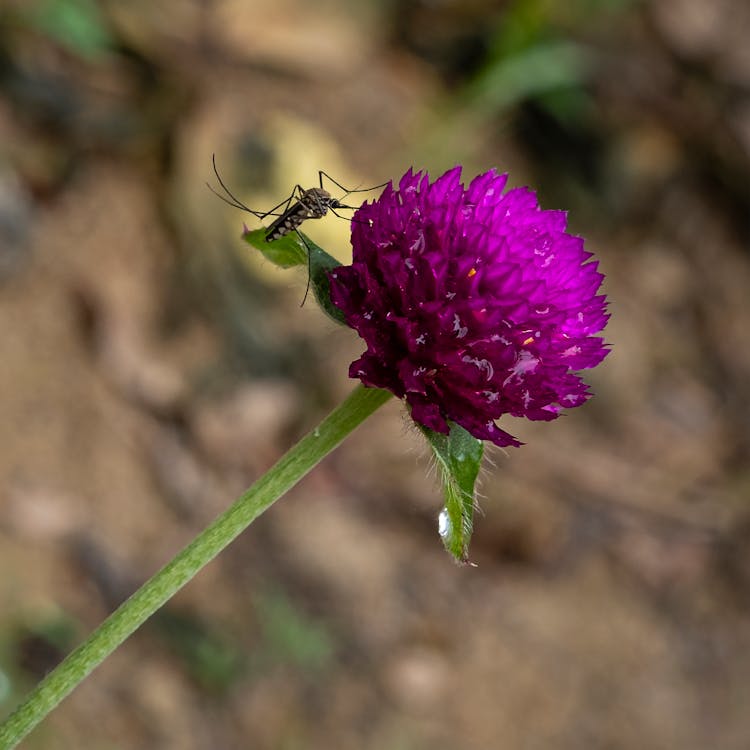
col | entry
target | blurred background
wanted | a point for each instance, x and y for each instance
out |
(151, 367)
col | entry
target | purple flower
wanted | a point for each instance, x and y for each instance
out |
(473, 303)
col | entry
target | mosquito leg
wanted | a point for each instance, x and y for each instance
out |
(309, 266)
(232, 203)
(235, 201)
(322, 174)
(242, 207)
(286, 202)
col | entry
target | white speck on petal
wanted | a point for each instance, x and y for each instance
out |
(458, 329)
(501, 339)
(484, 365)
(525, 362)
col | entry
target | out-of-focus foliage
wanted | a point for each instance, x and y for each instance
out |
(78, 25)
(208, 656)
(288, 636)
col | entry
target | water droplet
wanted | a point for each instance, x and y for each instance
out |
(316, 432)
(444, 523)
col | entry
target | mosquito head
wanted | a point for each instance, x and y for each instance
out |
(320, 195)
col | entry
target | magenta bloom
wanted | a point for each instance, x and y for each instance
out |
(473, 303)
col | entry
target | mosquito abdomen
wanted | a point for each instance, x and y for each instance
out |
(313, 204)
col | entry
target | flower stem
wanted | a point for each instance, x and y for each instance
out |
(360, 404)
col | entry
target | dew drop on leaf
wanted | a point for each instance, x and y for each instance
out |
(444, 523)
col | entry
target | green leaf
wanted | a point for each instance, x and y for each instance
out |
(292, 250)
(285, 252)
(459, 457)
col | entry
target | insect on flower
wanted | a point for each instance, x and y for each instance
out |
(313, 203)
(301, 205)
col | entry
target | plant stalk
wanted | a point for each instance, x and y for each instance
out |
(360, 404)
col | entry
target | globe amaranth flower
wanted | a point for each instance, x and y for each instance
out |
(473, 302)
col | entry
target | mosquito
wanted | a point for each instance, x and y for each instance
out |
(301, 205)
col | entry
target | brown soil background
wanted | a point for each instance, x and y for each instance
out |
(151, 368)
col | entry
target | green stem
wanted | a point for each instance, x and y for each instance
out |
(174, 575)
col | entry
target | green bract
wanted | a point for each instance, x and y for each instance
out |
(292, 250)
(459, 458)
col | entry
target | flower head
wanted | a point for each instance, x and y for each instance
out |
(473, 303)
